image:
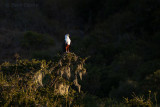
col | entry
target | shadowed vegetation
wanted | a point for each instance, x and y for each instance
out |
(120, 37)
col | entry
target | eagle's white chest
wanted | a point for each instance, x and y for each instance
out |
(67, 40)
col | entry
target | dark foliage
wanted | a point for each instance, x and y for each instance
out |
(120, 37)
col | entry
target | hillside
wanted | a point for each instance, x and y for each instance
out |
(120, 38)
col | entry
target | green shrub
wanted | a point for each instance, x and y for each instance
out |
(36, 40)
(138, 101)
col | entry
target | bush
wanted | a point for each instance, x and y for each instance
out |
(41, 83)
(36, 40)
(138, 101)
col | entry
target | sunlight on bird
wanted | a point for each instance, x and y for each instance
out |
(67, 42)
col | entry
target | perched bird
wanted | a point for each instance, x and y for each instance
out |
(67, 42)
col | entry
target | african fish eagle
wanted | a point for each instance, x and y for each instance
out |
(67, 42)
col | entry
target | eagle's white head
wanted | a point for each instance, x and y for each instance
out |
(66, 36)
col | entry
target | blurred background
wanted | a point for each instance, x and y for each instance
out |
(120, 37)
